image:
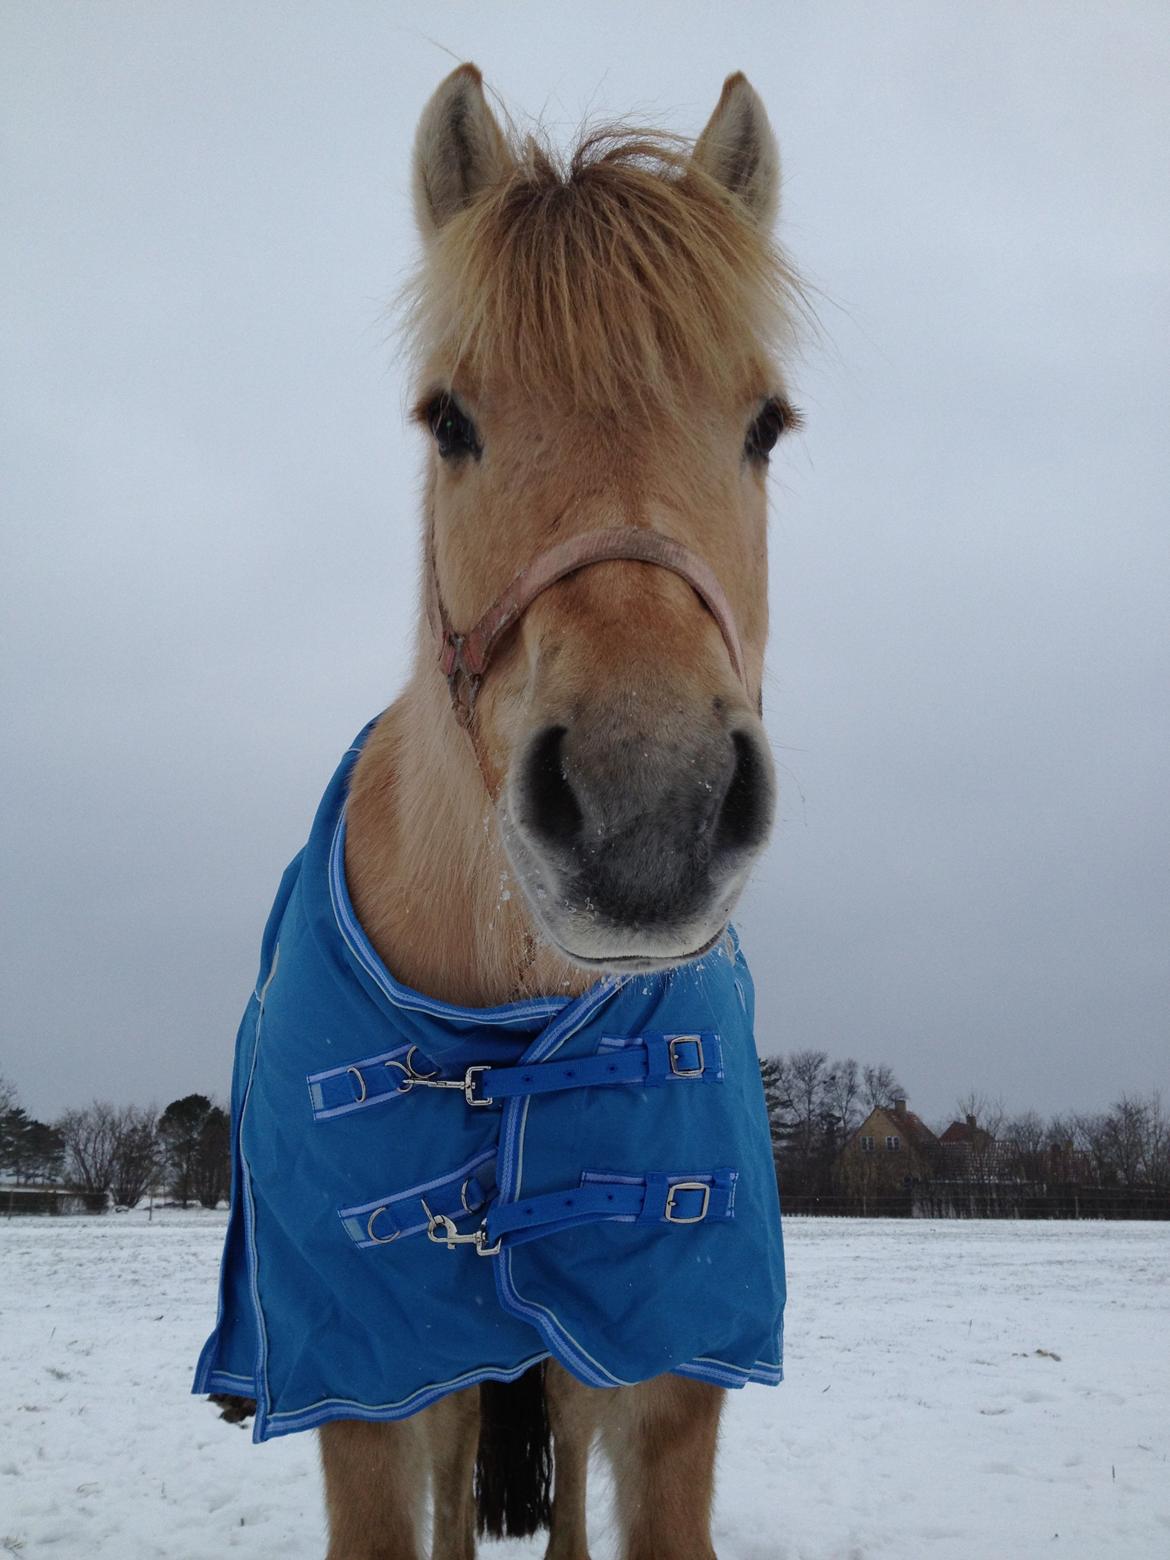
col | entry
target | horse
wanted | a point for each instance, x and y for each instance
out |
(574, 782)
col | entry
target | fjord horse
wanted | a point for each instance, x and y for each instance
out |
(597, 345)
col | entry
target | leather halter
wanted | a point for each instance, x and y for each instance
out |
(466, 656)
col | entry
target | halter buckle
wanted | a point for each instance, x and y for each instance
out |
(462, 684)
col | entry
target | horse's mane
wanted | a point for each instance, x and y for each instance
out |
(610, 276)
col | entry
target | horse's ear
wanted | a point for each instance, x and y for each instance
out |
(739, 150)
(459, 150)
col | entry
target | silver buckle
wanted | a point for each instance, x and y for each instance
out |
(676, 1069)
(444, 1232)
(469, 1078)
(687, 1186)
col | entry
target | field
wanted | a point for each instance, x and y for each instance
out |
(967, 1390)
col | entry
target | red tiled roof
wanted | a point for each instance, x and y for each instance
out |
(960, 1134)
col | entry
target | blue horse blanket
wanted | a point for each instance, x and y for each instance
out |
(426, 1196)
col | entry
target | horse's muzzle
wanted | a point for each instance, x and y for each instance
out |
(633, 848)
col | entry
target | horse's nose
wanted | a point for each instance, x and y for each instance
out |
(646, 829)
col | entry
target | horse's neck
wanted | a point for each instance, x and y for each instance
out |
(426, 871)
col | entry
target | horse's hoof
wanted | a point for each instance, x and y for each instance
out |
(234, 1409)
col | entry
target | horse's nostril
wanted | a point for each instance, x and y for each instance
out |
(551, 809)
(747, 805)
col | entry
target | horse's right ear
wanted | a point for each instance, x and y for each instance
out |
(459, 150)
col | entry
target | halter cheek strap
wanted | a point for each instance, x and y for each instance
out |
(465, 657)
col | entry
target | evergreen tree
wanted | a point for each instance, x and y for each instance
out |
(180, 1128)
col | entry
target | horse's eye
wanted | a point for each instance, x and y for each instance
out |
(772, 421)
(454, 432)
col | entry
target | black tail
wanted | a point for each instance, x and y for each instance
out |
(513, 1468)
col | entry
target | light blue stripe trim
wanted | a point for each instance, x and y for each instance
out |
(735, 1376)
(462, 1173)
(321, 1412)
(326, 1113)
(291, 1421)
(225, 1381)
(403, 996)
(459, 1174)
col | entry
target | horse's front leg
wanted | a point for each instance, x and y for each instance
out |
(574, 1413)
(661, 1437)
(375, 1481)
(451, 1428)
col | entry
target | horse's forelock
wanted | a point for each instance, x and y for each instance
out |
(610, 278)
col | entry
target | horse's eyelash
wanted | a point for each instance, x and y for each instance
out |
(423, 409)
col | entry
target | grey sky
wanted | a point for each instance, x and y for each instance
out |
(210, 507)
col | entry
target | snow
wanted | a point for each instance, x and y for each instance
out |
(971, 1389)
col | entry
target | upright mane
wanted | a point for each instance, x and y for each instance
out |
(611, 276)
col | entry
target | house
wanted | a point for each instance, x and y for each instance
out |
(968, 1135)
(971, 1153)
(891, 1149)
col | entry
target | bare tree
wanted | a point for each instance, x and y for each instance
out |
(1024, 1145)
(90, 1139)
(1133, 1141)
(808, 1072)
(136, 1158)
(1157, 1143)
(842, 1091)
(1092, 1139)
(990, 1114)
(1062, 1132)
(880, 1087)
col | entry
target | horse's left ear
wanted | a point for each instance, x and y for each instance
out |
(739, 150)
(459, 150)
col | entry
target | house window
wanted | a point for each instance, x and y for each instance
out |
(893, 1144)
(867, 1145)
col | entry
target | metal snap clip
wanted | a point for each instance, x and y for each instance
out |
(445, 1232)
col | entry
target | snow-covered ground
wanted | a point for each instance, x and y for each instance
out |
(967, 1390)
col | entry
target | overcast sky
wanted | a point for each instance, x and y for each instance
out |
(210, 508)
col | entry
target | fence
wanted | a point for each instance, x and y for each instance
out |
(17, 1200)
(974, 1200)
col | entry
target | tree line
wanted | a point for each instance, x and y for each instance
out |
(118, 1153)
(1110, 1163)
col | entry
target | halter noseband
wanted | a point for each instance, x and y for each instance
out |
(465, 657)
